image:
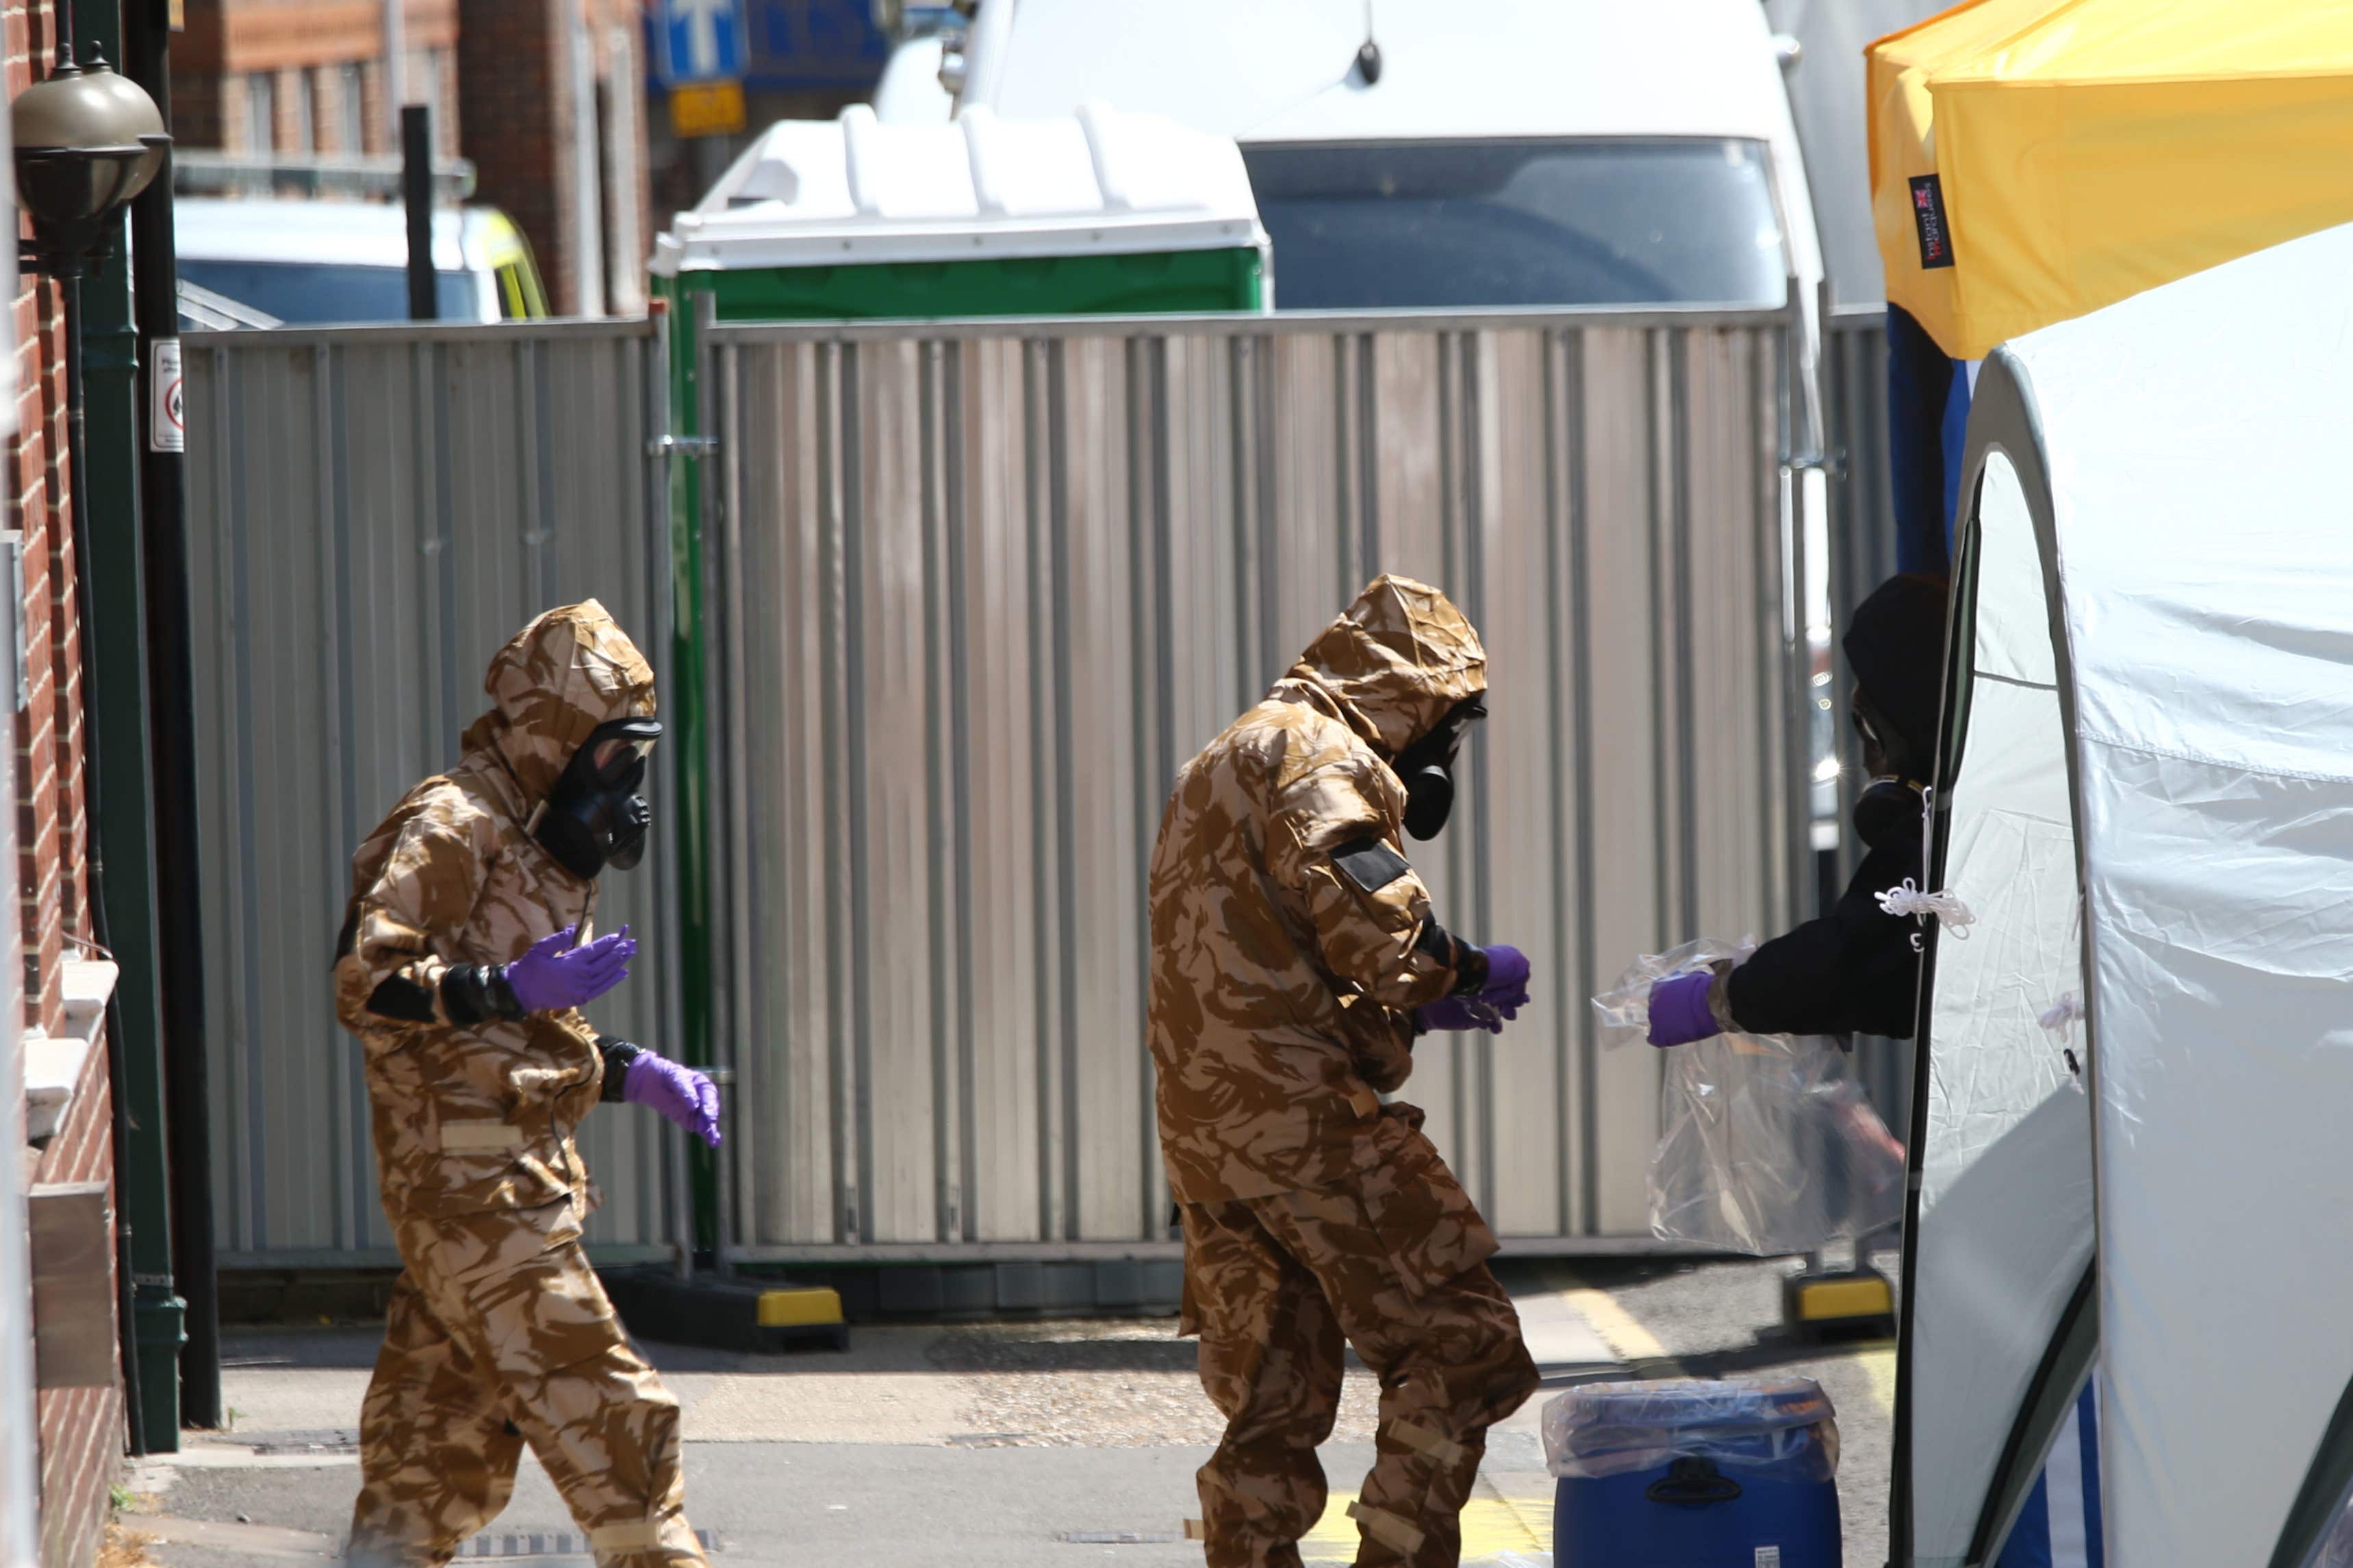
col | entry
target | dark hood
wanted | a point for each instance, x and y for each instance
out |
(1894, 644)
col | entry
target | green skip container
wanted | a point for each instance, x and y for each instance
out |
(1103, 213)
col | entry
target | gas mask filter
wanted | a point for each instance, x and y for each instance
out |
(1426, 768)
(594, 818)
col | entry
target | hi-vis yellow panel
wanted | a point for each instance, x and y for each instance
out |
(799, 1308)
(2087, 149)
(1826, 1300)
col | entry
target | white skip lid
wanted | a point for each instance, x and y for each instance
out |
(816, 192)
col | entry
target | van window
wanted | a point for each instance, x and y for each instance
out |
(318, 293)
(1366, 226)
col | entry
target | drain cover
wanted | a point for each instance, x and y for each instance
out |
(548, 1543)
(1118, 1537)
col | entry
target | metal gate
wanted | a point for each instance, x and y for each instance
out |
(372, 511)
(1862, 533)
(977, 591)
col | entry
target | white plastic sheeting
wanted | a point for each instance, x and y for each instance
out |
(2196, 437)
(2186, 496)
(2004, 1230)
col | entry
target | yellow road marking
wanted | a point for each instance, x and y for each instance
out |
(1491, 1524)
(1880, 1366)
(1535, 1516)
(1628, 1340)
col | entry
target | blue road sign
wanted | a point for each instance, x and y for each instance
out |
(701, 40)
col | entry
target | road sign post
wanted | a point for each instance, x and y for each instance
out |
(701, 61)
(701, 41)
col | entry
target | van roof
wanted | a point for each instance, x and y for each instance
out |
(348, 232)
(1526, 68)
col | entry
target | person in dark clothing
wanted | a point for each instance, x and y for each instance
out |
(1856, 970)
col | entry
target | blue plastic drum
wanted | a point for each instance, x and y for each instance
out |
(1691, 1474)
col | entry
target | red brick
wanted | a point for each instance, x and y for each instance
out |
(80, 1430)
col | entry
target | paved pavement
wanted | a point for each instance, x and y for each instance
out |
(996, 1445)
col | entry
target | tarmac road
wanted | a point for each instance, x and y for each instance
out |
(997, 1445)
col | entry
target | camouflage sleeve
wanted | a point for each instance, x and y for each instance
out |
(1332, 847)
(389, 962)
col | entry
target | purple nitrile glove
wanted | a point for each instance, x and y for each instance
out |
(684, 1096)
(1506, 989)
(554, 975)
(1678, 1009)
(1500, 997)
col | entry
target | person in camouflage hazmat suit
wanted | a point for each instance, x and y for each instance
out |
(465, 955)
(1294, 960)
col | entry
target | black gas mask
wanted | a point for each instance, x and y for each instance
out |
(1889, 804)
(1887, 753)
(1426, 768)
(594, 818)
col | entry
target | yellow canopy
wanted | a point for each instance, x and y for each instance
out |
(2032, 161)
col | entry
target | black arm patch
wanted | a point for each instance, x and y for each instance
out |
(619, 1053)
(1468, 961)
(1370, 863)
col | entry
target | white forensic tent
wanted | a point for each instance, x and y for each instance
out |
(2129, 1148)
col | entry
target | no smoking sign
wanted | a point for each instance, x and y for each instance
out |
(167, 419)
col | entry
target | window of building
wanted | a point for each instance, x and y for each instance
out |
(422, 71)
(306, 113)
(351, 113)
(261, 115)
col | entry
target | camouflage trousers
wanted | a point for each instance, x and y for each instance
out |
(1393, 1263)
(500, 1334)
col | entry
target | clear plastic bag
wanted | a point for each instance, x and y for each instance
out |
(1783, 1426)
(1766, 1145)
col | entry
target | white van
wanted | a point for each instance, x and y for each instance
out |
(1442, 154)
(327, 262)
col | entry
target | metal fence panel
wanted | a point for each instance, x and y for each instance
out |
(984, 587)
(372, 512)
(1862, 556)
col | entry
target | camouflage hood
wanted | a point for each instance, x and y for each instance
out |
(555, 681)
(1395, 663)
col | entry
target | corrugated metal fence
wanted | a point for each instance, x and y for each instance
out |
(373, 513)
(983, 588)
(976, 592)
(1862, 556)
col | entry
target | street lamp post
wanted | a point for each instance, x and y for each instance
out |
(86, 142)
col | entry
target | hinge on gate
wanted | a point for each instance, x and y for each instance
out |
(1832, 462)
(682, 446)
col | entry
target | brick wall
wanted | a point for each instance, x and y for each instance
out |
(516, 102)
(81, 1430)
(51, 823)
(199, 116)
(521, 117)
(297, 42)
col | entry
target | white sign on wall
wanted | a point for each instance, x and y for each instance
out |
(167, 420)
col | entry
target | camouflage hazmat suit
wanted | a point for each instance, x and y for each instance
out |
(1291, 942)
(500, 1333)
